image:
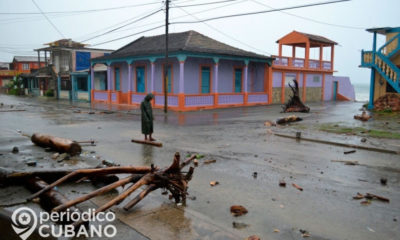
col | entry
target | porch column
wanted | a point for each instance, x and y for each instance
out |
(333, 56)
(307, 55)
(321, 56)
(304, 87)
(73, 88)
(293, 51)
(372, 81)
(129, 81)
(58, 87)
(181, 94)
(245, 87)
(283, 87)
(152, 77)
(216, 65)
(92, 88)
(109, 82)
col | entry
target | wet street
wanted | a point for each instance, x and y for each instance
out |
(250, 163)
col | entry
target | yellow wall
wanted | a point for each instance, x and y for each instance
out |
(380, 86)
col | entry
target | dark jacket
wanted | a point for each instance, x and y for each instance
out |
(147, 114)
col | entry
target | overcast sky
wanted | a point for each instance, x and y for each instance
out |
(343, 22)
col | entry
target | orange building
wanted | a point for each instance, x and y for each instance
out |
(20, 64)
(310, 60)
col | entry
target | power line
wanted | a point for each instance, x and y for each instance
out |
(148, 30)
(260, 12)
(217, 30)
(182, 16)
(54, 26)
(310, 19)
(202, 4)
(112, 30)
(80, 11)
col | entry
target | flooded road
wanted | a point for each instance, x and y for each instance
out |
(241, 145)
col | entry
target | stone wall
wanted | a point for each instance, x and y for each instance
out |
(313, 94)
(276, 95)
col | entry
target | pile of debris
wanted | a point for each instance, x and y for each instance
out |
(390, 101)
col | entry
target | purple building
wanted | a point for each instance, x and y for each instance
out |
(202, 73)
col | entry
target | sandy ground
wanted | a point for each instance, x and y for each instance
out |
(241, 145)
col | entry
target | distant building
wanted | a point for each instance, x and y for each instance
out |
(19, 65)
(314, 75)
(65, 72)
(384, 63)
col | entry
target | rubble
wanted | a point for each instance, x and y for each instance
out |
(388, 102)
(61, 145)
(297, 186)
(238, 210)
(289, 119)
(156, 144)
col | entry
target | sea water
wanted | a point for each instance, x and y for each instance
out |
(362, 92)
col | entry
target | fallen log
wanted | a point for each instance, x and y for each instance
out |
(157, 144)
(58, 144)
(170, 178)
(289, 119)
(295, 104)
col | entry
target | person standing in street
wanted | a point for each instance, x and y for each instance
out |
(147, 117)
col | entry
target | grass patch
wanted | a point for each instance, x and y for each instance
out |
(359, 131)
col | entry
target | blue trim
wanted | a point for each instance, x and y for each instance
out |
(58, 87)
(371, 89)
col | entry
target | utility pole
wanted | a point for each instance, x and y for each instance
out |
(166, 57)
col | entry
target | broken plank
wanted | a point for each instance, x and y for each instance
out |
(157, 144)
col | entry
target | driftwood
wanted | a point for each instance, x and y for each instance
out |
(295, 104)
(170, 178)
(157, 144)
(289, 119)
(58, 144)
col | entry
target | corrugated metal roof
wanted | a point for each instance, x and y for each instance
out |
(27, 59)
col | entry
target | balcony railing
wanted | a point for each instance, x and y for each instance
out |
(300, 63)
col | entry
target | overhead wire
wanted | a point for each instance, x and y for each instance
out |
(260, 12)
(132, 22)
(80, 11)
(309, 19)
(225, 34)
(48, 19)
(130, 35)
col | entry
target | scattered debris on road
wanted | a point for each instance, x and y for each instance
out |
(269, 123)
(383, 181)
(214, 183)
(297, 186)
(369, 197)
(282, 183)
(363, 117)
(239, 225)
(348, 152)
(289, 119)
(15, 150)
(210, 161)
(253, 237)
(238, 210)
(351, 163)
